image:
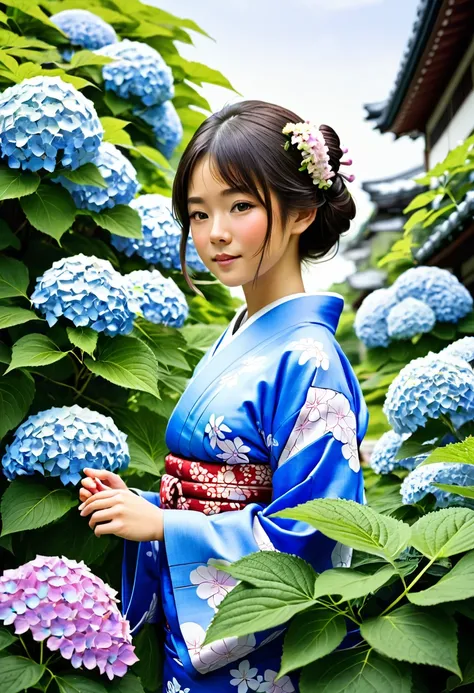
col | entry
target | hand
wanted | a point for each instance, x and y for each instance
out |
(99, 480)
(124, 514)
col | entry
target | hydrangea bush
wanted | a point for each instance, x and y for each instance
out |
(95, 345)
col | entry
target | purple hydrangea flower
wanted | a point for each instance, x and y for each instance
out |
(383, 461)
(62, 441)
(45, 123)
(371, 319)
(437, 287)
(87, 291)
(85, 29)
(166, 126)
(420, 482)
(159, 299)
(427, 388)
(409, 318)
(138, 70)
(118, 173)
(63, 602)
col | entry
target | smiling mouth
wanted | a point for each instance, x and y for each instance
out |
(224, 260)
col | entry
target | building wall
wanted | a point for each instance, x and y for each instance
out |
(458, 129)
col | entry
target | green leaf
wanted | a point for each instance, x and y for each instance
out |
(356, 672)
(435, 215)
(354, 525)
(311, 635)
(197, 72)
(13, 278)
(201, 336)
(466, 325)
(415, 219)
(185, 95)
(11, 315)
(421, 200)
(19, 673)
(73, 683)
(28, 506)
(121, 220)
(127, 684)
(248, 610)
(150, 655)
(464, 491)
(50, 209)
(351, 584)
(31, 9)
(5, 353)
(127, 362)
(34, 350)
(7, 237)
(114, 131)
(415, 635)
(16, 395)
(17, 183)
(462, 453)
(152, 155)
(443, 330)
(444, 533)
(85, 57)
(87, 174)
(457, 584)
(6, 638)
(115, 104)
(84, 338)
(146, 440)
(167, 343)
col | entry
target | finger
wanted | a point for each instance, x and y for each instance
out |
(107, 528)
(84, 495)
(90, 471)
(99, 504)
(100, 485)
(98, 496)
(88, 483)
(102, 516)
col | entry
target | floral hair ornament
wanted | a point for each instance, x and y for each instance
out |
(310, 140)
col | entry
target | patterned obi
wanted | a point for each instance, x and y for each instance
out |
(211, 487)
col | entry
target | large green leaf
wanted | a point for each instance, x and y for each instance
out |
(29, 505)
(311, 635)
(84, 338)
(13, 278)
(152, 155)
(114, 131)
(16, 183)
(11, 315)
(121, 220)
(201, 336)
(32, 9)
(128, 683)
(50, 209)
(19, 673)
(16, 395)
(356, 672)
(464, 491)
(127, 362)
(34, 350)
(351, 584)
(150, 654)
(74, 683)
(87, 174)
(462, 453)
(457, 584)
(6, 638)
(84, 58)
(354, 525)
(185, 95)
(167, 343)
(7, 237)
(248, 610)
(146, 440)
(416, 635)
(444, 533)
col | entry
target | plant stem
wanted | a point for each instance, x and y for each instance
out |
(407, 589)
(24, 647)
(51, 679)
(41, 652)
(86, 383)
(447, 421)
(71, 387)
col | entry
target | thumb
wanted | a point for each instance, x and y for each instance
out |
(107, 478)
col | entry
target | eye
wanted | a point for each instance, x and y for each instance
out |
(196, 217)
(242, 206)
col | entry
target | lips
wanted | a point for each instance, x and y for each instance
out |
(224, 256)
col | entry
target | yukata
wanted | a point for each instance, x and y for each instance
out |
(272, 417)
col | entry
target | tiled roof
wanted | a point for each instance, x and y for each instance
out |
(448, 229)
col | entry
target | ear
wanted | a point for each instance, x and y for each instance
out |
(300, 220)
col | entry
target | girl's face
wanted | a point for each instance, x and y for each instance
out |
(224, 221)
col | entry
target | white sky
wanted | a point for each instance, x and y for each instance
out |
(321, 58)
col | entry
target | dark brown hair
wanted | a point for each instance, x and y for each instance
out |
(246, 147)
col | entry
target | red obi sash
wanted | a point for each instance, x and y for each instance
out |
(211, 487)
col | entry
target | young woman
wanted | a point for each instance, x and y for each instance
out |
(273, 415)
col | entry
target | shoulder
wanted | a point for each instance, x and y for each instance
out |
(311, 345)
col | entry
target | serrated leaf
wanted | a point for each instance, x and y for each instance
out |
(74, 683)
(444, 532)
(6, 638)
(415, 635)
(50, 209)
(28, 506)
(17, 183)
(11, 315)
(34, 350)
(351, 584)
(128, 683)
(31, 9)
(146, 440)
(121, 220)
(421, 200)
(152, 155)
(114, 131)
(312, 634)
(115, 104)
(462, 453)
(201, 336)
(247, 610)
(84, 338)
(464, 491)
(19, 673)
(457, 584)
(87, 174)
(356, 672)
(127, 362)
(185, 95)
(166, 342)
(354, 525)
(16, 395)
(85, 57)
(416, 218)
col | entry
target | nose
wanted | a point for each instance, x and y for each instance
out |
(220, 231)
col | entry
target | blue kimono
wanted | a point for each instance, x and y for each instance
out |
(279, 391)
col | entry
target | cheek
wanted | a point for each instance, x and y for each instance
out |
(251, 230)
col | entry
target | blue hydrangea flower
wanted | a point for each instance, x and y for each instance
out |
(46, 123)
(440, 289)
(383, 461)
(420, 482)
(409, 318)
(166, 126)
(85, 29)
(61, 441)
(371, 319)
(428, 388)
(462, 348)
(138, 70)
(161, 236)
(87, 291)
(159, 299)
(119, 174)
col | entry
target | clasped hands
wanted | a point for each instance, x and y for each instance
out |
(114, 509)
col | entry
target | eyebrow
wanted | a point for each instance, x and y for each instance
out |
(224, 193)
